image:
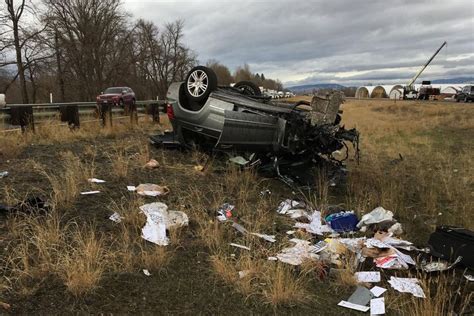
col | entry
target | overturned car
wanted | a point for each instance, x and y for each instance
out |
(281, 138)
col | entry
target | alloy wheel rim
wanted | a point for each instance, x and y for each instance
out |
(197, 83)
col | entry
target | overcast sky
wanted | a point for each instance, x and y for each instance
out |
(307, 41)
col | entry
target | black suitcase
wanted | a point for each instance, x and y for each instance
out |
(449, 242)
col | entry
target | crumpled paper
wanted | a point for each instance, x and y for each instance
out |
(150, 189)
(158, 220)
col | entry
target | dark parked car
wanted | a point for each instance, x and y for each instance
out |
(239, 119)
(466, 94)
(117, 96)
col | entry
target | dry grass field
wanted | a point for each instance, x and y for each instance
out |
(73, 259)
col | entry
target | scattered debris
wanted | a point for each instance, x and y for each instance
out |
(131, 188)
(225, 212)
(440, 265)
(239, 160)
(90, 192)
(293, 208)
(95, 180)
(146, 272)
(377, 306)
(302, 250)
(270, 238)
(199, 168)
(31, 204)
(377, 215)
(377, 291)
(368, 276)
(239, 227)
(449, 242)
(149, 189)
(314, 226)
(3, 174)
(265, 193)
(407, 285)
(344, 221)
(152, 164)
(116, 217)
(239, 246)
(291, 232)
(244, 273)
(361, 296)
(469, 277)
(353, 306)
(159, 219)
(5, 306)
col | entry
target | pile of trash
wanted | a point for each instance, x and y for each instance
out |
(339, 235)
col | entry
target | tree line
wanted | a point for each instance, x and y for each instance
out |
(76, 48)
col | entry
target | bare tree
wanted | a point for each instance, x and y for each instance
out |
(243, 73)
(163, 57)
(16, 34)
(92, 40)
(224, 76)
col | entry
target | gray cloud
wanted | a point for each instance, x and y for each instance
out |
(303, 41)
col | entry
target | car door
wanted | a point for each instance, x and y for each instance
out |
(252, 131)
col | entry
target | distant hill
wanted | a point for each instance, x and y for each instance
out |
(459, 80)
(317, 86)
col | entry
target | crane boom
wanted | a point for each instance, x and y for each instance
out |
(412, 81)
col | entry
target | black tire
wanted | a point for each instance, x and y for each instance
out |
(199, 83)
(248, 88)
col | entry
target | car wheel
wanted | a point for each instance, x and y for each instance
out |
(248, 88)
(200, 82)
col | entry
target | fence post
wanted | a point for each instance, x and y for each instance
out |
(105, 114)
(133, 113)
(23, 116)
(70, 114)
(153, 109)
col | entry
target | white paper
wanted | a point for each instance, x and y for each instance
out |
(239, 246)
(315, 226)
(270, 238)
(469, 277)
(90, 192)
(377, 290)
(302, 250)
(350, 305)
(291, 232)
(407, 285)
(116, 217)
(272, 258)
(368, 276)
(131, 188)
(146, 272)
(155, 227)
(95, 180)
(377, 306)
(243, 274)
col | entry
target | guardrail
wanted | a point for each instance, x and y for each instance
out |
(24, 115)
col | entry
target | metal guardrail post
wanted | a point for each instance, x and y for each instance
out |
(153, 109)
(23, 116)
(133, 113)
(105, 114)
(70, 114)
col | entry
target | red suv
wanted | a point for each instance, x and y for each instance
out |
(118, 96)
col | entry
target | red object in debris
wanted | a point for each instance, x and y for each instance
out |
(228, 213)
(170, 112)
